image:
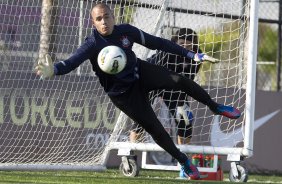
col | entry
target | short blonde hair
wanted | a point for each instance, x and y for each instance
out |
(101, 5)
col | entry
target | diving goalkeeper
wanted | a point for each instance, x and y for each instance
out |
(129, 89)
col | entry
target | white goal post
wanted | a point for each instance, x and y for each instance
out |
(69, 123)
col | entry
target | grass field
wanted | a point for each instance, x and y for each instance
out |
(112, 176)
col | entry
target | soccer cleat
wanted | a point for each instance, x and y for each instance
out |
(227, 111)
(190, 171)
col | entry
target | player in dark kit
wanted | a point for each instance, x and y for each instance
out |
(188, 39)
(129, 89)
(177, 102)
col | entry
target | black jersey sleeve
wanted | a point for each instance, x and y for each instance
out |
(157, 43)
(84, 52)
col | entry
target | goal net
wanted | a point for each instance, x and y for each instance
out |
(68, 122)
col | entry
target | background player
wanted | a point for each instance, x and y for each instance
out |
(177, 101)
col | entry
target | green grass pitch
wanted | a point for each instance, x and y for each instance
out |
(113, 176)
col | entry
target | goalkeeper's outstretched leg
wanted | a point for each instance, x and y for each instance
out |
(142, 113)
(173, 81)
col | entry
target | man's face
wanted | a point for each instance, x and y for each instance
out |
(186, 44)
(103, 20)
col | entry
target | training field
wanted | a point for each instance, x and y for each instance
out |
(112, 176)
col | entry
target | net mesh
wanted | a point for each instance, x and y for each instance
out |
(69, 119)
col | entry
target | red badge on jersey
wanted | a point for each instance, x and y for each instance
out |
(125, 41)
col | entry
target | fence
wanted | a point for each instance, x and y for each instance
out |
(269, 46)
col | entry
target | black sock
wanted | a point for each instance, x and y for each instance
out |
(182, 158)
(213, 106)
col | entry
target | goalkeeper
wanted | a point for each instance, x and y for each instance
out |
(129, 89)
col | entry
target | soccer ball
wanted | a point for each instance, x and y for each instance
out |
(112, 59)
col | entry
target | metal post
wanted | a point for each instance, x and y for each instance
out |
(80, 31)
(251, 79)
(279, 48)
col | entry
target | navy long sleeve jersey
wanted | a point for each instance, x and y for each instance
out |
(124, 36)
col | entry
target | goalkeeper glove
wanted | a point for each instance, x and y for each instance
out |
(200, 57)
(184, 112)
(45, 69)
